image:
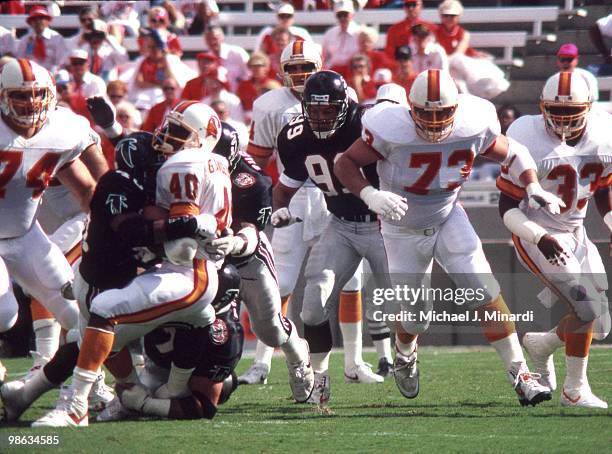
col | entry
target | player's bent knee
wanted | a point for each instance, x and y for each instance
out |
(273, 332)
(229, 386)
(313, 317)
(414, 327)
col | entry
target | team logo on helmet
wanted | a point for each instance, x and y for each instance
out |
(219, 333)
(214, 126)
(244, 180)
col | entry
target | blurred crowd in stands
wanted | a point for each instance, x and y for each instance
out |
(94, 61)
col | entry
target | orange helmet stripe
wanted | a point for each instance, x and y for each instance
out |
(565, 83)
(298, 47)
(182, 106)
(433, 85)
(26, 70)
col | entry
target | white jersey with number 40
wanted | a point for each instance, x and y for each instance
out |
(574, 173)
(193, 182)
(428, 174)
(27, 165)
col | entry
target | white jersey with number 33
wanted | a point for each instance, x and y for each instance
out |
(27, 165)
(193, 182)
(428, 174)
(574, 173)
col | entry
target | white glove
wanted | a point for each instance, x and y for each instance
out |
(207, 228)
(539, 198)
(227, 245)
(283, 218)
(608, 220)
(387, 204)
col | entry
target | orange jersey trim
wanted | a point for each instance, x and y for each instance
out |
(73, 254)
(259, 152)
(200, 284)
(510, 189)
(183, 209)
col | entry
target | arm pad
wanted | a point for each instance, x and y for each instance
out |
(136, 231)
(521, 226)
(518, 159)
(250, 240)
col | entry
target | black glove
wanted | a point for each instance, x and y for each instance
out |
(101, 111)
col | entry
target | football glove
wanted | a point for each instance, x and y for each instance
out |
(102, 112)
(387, 204)
(207, 228)
(539, 198)
(283, 218)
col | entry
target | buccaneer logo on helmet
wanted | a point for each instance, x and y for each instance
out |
(433, 103)
(191, 124)
(299, 60)
(565, 103)
(27, 93)
(325, 103)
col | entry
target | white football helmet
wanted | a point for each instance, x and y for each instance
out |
(191, 124)
(433, 102)
(303, 53)
(565, 103)
(27, 92)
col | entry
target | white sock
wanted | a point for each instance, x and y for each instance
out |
(294, 348)
(383, 348)
(352, 343)
(320, 362)
(552, 341)
(156, 407)
(178, 380)
(575, 374)
(406, 349)
(263, 354)
(36, 386)
(509, 349)
(47, 332)
(82, 381)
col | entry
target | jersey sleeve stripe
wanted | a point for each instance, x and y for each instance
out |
(259, 152)
(200, 285)
(183, 209)
(73, 254)
(510, 189)
(290, 182)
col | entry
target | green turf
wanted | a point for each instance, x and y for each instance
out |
(465, 405)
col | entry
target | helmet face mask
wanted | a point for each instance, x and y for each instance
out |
(565, 103)
(433, 103)
(295, 75)
(298, 61)
(325, 103)
(173, 136)
(26, 95)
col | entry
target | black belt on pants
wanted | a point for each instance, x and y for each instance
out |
(359, 218)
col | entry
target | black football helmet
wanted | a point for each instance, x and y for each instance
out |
(325, 103)
(228, 145)
(135, 155)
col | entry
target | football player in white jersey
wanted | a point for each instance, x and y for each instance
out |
(271, 111)
(572, 147)
(38, 141)
(192, 182)
(424, 155)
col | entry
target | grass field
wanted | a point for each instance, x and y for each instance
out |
(465, 405)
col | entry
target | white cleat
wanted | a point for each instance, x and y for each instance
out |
(527, 386)
(542, 359)
(582, 397)
(257, 374)
(13, 403)
(406, 374)
(68, 412)
(101, 394)
(39, 363)
(114, 411)
(362, 373)
(322, 389)
(301, 376)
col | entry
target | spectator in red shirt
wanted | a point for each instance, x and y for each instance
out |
(157, 113)
(361, 79)
(12, 7)
(259, 83)
(285, 16)
(452, 36)
(404, 75)
(159, 20)
(367, 39)
(400, 34)
(195, 89)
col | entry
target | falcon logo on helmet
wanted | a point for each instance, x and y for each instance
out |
(27, 93)
(433, 102)
(299, 60)
(565, 103)
(191, 124)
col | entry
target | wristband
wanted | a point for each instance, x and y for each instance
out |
(521, 226)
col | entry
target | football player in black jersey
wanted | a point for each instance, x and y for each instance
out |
(251, 252)
(308, 147)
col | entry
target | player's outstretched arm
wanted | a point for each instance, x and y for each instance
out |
(93, 158)
(76, 177)
(281, 196)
